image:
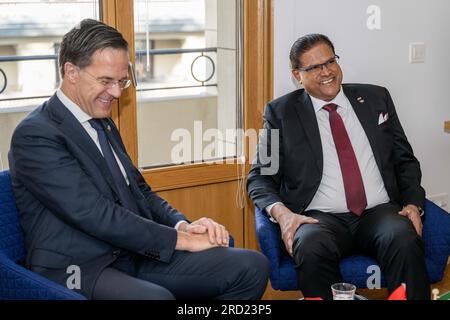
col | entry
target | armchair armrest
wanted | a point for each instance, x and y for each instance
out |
(18, 283)
(268, 234)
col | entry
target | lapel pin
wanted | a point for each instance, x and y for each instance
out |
(360, 99)
(108, 128)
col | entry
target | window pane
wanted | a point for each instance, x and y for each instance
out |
(187, 66)
(30, 33)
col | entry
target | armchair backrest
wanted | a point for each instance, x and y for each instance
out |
(11, 234)
(436, 238)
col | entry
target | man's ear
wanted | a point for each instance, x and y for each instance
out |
(70, 72)
(296, 74)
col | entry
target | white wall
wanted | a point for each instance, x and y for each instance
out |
(420, 91)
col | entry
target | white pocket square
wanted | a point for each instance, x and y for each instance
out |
(384, 116)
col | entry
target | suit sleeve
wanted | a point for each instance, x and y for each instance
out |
(406, 166)
(263, 184)
(53, 176)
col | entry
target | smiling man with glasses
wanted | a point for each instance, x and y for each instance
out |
(348, 180)
(109, 83)
(316, 68)
(83, 203)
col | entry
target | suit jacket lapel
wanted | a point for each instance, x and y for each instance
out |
(307, 116)
(72, 128)
(368, 119)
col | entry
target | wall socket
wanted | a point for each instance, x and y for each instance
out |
(417, 52)
(440, 199)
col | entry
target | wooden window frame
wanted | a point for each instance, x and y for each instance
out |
(258, 89)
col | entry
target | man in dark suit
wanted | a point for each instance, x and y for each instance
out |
(86, 210)
(347, 179)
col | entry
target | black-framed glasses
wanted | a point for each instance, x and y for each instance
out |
(316, 68)
(109, 84)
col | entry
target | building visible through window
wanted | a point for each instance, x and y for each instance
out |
(187, 65)
(30, 33)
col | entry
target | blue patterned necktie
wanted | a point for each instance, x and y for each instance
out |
(124, 191)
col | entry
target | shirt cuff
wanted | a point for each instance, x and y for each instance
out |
(269, 209)
(179, 223)
(421, 211)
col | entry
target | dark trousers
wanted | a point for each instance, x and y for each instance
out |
(218, 273)
(379, 232)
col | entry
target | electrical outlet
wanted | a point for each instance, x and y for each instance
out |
(440, 199)
(417, 52)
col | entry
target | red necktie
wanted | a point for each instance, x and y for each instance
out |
(353, 183)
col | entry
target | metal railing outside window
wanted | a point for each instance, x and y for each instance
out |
(204, 53)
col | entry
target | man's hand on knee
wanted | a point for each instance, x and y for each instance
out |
(289, 223)
(193, 242)
(217, 233)
(412, 213)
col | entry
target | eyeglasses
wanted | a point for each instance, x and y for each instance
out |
(319, 67)
(109, 84)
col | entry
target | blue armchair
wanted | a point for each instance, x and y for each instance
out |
(16, 282)
(436, 236)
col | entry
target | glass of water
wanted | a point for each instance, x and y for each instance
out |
(343, 291)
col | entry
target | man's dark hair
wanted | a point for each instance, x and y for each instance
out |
(79, 44)
(303, 44)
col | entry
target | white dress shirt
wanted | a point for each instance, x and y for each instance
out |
(330, 197)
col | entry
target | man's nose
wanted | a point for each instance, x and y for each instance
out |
(324, 69)
(115, 91)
